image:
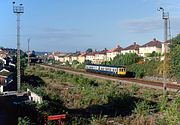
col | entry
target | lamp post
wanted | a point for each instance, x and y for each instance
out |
(165, 17)
(18, 10)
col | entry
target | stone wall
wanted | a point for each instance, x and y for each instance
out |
(34, 97)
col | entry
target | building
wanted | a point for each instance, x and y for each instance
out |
(82, 57)
(6, 78)
(91, 57)
(134, 48)
(113, 52)
(100, 56)
(59, 57)
(3, 61)
(148, 48)
(3, 54)
(67, 58)
(74, 57)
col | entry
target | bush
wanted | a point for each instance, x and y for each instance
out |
(142, 109)
(148, 68)
(171, 114)
(24, 121)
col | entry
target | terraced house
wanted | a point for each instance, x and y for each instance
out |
(91, 57)
(82, 57)
(113, 52)
(107, 55)
(134, 48)
(148, 48)
(101, 56)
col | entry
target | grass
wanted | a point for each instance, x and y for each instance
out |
(94, 101)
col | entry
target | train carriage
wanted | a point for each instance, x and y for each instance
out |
(110, 70)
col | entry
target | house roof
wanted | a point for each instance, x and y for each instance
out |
(116, 49)
(83, 54)
(75, 54)
(153, 43)
(68, 55)
(134, 46)
(5, 74)
(91, 54)
(102, 52)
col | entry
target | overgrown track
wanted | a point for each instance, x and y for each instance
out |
(151, 84)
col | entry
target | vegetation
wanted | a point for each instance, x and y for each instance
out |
(24, 121)
(96, 102)
(175, 57)
(148, 68)
(89, 50)
(124, 59)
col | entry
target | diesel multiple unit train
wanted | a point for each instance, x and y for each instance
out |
(109, 70)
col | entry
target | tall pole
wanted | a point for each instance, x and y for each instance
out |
(28, 52)
(165, 17)
(18, 10)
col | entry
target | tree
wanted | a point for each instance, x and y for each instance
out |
(75, 62)
(154, 55)
(125, 59)
(87, 62)
(33, 54)
(175, 57)
(67, 63)
(89, 50)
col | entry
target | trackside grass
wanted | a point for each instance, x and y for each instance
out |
(89, 101)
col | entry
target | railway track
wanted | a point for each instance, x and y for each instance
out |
(150, 84)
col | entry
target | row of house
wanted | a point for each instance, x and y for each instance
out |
(7, 69)
(98, 57)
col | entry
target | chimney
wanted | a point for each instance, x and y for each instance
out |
(134, 43)
(154, 39)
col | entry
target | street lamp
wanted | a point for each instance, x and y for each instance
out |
(18, 10)
(165, 17)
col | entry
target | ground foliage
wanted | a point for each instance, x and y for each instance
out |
(175, 57)
(96, 102)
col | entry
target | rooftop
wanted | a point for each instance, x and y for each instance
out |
(134, 46)
(153, 43)
(117, 49)
(4, 73)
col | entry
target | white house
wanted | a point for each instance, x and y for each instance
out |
(152, 46)
(100, 56)
(134, 48)
(82, 57)
(91, 56)
(113, 52)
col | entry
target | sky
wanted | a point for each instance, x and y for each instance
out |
(75, 25)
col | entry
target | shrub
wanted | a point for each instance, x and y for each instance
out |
(134, 88)
(142, 109)
(24, 121)
(171, 114)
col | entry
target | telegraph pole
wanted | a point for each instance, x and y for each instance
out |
(28, 52)
(18, 10)
(165, 17)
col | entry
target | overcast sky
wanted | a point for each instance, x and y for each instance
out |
(71, 25)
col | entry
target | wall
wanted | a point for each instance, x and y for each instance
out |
(34, 97)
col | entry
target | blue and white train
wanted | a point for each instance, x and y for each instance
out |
(110, 70)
